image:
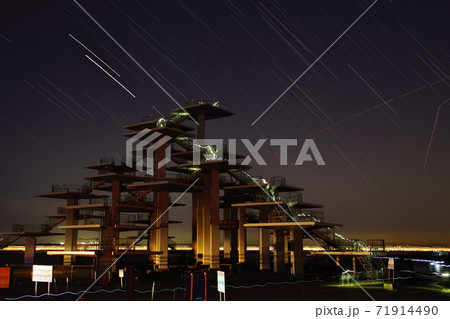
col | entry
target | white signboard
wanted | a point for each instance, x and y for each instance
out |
(42, 273)
(391, 263)
(221, 281)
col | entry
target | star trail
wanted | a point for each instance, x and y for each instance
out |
(368, 81)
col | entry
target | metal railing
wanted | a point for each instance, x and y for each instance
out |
(72, 188)
(226, 180)
(90, 218)
(179, 160)
(107, 160)
(30, 228)
(200, 101)
(277, 180)
(292, 197)
(375, 245)
(251, 180)
(127, 219)
(17, 228)
(309, 216)
(99, 201)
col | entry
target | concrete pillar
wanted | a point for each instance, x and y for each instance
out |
(242, 235)
(194, 225)
(214, 224)
(264, 242)
(200, 226)
(206, 211)
(30, 249)
(71, 236)
(354, 265)
(110, 235)
(201, 127)
(227, 234)
(153, 233)
(286, 249)
(297, 255)
(160, 234)
(162, 226)
(234, 237)
(278, 252)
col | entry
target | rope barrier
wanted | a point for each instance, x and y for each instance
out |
(177, 288)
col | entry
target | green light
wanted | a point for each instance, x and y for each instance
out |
(161, 122)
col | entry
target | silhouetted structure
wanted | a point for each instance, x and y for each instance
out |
(131, 201)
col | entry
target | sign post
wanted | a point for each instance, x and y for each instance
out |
(391, 267)
(121, 275)
(42, 274)
(221, 284)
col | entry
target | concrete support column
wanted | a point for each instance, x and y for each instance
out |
(242, 235)
(227, 234)
(214, 221)
(71, 236)
(234, 237)
(153, 233)
(354, 265)
(115, 213)
(201, 127)
(160, 235)
(200, 227)
(194, 225)
(264, 242)
(162, 225)
(286, 249)
(30, 249)
(206, 212)
(297, 255)
(278, 252)
(110, 235)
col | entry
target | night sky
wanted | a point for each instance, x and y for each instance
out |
(370, 103)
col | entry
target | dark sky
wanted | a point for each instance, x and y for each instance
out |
(60, 112)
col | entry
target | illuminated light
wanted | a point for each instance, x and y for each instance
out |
(192, 168)
(161, 122)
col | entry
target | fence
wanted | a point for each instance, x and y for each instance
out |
(73, 188)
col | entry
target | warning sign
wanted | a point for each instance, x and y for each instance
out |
(221, 281)
(42, 273)
(4, 277)
(391, 263)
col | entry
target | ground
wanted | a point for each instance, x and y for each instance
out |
(266, 286)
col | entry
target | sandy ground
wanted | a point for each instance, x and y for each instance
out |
(275, 289)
